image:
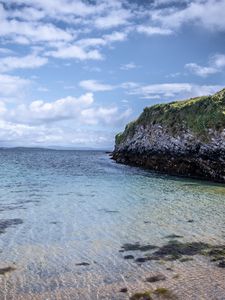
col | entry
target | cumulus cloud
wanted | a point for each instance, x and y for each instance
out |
(113, 19)
(108, 116)
(30, 22)
(87, 48)
(116, 36)
(200, 70)
(151, 30)
(74, 51)
(169, 90)
(57, 8)
(14, 134)
(26, 62)
(40, 111)
(12, 85)
(129, 66)
(65, 121)
(208, 14)
(5, 51)
(95, 86)
(82, 110)
(218, 61)
(29, 32)
(215, 65)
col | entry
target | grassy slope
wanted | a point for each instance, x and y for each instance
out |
(196, 114)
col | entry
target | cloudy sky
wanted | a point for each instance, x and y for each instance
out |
(73, 72)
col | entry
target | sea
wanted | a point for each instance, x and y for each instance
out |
(66, 215)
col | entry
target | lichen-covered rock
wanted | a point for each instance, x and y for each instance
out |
(181, 138)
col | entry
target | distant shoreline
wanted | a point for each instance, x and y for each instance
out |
(56, 148)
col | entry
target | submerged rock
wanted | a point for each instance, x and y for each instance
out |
(180, 138)
(142, 296)
(6, 270)
(128, 257)
(159, 293)
(176, 250)
(173, 236)
(5, 223)
(141, 259)
(165, 293)
(221, 264)
(155, 278)
(138, 247)
(124, 290)
(83, 264)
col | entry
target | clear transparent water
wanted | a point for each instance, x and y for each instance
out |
(80, 206)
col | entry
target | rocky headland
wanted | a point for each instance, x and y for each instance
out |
(184, 138)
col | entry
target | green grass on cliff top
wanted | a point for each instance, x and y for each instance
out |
(196, 114)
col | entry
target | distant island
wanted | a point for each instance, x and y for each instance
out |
(184, 138)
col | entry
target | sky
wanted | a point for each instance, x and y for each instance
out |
(73, 73)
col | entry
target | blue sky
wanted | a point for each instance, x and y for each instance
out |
(73, 72)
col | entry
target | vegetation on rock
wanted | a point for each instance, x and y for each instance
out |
(197, 115)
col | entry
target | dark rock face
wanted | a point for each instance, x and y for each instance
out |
(211, 167)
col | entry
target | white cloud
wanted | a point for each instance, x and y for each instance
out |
(91, 42)
(28, 14)
(216, 64)
(116, 36)
(113, 19)
(208, 14)
(42, 89)
(12, 85)
(165, 89)
(56, 8)
(151, 30)
(5, 51)
(95, 86)
(3, 108)
(76, 52)
(129, 66)
(87, 48)
(106, 39)
(171, 91)
(26, 62)
(218, 61)
(40, 111)
(66, 121)
(108, 116)
(81, 110)
(199, 70)
(13, 134)
(27, 32)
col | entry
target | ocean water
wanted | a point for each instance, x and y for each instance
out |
(59, 209)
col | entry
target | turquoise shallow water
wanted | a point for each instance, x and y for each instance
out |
(62, 208)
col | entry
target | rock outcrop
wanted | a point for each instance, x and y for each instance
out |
(180, 138)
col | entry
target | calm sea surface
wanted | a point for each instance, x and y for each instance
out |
(59, 209)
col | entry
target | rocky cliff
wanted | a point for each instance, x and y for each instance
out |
(180, 138)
